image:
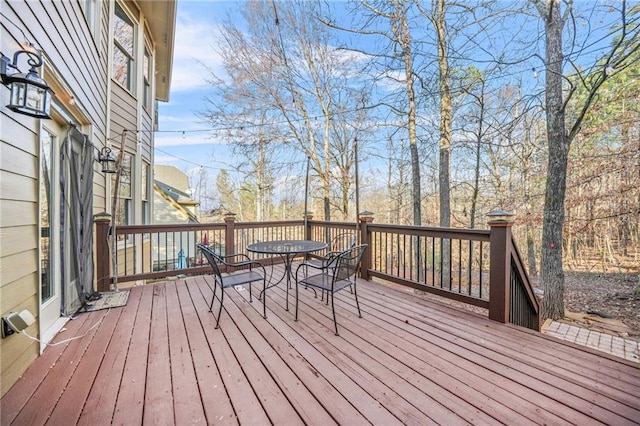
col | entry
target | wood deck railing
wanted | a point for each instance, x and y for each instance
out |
(478, 267)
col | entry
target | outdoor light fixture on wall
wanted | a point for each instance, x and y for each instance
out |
(106, 160)
(30, 94)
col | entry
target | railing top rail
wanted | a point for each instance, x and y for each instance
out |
(130, 229)
(244, 225)
(332, 224)
(459, 233)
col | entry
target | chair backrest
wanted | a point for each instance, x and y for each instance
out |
(343, 241)
(212, 258)
(348, 262)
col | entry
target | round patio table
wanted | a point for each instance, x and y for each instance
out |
(287, 250)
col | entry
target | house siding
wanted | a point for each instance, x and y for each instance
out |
(146, 126)
(77, 67)
(51, 26)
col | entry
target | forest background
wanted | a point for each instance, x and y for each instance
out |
(450, 111)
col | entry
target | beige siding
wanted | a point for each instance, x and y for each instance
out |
(20, 213)
(146, 136)
(17, 161)
(74, 57)
(14, 292)
(76, 62)
(123, 117)
(166, 213)
(16, 239)
(76, 65)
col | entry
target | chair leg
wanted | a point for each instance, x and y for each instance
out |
(213, 298)
(333, 308)
(220, 310)
(355, 293)
(250, 297)
(296, 299)
(264, 298)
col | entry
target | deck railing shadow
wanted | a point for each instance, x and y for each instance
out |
(479, 267)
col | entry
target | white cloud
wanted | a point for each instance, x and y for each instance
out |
(189, 137)
(194, 53)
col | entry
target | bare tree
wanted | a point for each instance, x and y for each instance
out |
(438, 18)
(562, 128)
(285, 63)
(395, 63)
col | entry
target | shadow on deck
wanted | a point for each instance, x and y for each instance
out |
(159, 360)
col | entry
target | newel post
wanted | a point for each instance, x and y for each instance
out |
(500, 223)
(229, 233)
(308, 216)
(365, 217)
(103, 254)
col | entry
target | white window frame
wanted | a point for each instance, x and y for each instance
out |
(147, 80)
(130, 83)
(145, 192)
(92, 10)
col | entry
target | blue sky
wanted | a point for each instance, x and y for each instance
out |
(183, 140)
(193, 55)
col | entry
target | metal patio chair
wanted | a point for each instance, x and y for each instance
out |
(340, 273)
(339, 243)
(246, 275)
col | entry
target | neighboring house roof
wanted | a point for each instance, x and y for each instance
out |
(161, 19)
(173, 185)
(172, 176)
(178, 199)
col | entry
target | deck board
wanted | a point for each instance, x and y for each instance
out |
(580, 380)
(246, 404)
(181, 350)
(22, 392)
(101, 400)
(130, 400)
(69, 407)
(472, 362)
(214, 398)
(409, 359)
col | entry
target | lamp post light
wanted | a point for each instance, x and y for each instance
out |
(30, 94)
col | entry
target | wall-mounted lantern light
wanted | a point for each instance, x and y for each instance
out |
(30, 94)
(107, 161)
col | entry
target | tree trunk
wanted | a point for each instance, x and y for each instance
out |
(551, 274)
(445, 116)
(405, 41)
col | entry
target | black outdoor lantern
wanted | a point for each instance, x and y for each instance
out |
(30, 94)
(107, 161)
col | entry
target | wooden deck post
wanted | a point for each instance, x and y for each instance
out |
(500, 264)
(365, 217)
(103, 271)
(229, 234)
(307, 230)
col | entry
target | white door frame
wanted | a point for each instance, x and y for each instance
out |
(50, 318)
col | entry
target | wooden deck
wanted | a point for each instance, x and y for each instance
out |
(159, 361)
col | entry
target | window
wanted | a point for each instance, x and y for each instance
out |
(46, 205)
(146, 214)
(123, 52)
(146, 74)
(124, 210)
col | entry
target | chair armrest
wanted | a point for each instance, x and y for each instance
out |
(246, 260)
(309, 265)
